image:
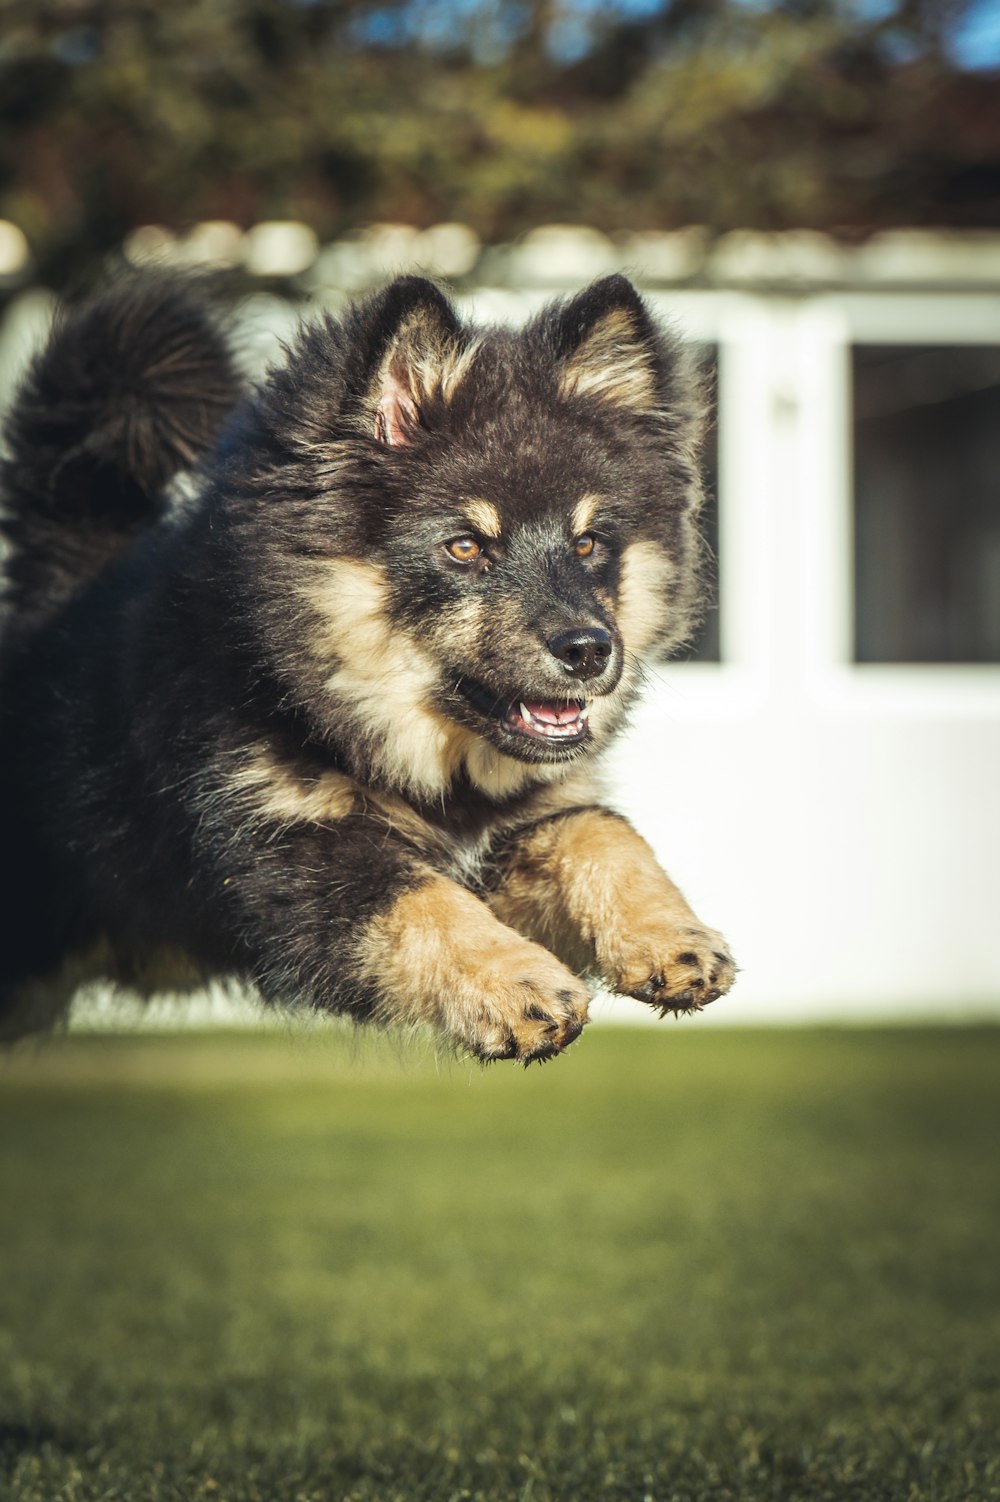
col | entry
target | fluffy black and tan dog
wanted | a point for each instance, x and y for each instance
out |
(330, 720)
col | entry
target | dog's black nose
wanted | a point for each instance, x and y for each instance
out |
(585, 651)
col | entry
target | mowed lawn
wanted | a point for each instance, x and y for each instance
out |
(679, 1263)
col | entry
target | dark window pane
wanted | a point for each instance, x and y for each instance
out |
(705, 647)
(927, 503)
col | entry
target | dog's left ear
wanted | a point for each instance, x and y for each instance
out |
(414, 356)
(607, 347)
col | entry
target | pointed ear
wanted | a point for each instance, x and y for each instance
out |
(397, 416)
(414, 355)
(607, 346)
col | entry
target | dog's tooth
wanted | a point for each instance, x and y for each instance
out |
(553, 729)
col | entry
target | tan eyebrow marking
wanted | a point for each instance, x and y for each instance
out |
(485, 517)
(584, 513)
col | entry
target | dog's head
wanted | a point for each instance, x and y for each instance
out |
(483, 533)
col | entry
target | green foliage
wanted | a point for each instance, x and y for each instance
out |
(502, 113)
(678, 1265)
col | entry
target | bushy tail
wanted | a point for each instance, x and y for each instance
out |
(132, 386)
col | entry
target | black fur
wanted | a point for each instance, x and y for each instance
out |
(180, 677)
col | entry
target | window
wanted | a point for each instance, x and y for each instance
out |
(926, 503)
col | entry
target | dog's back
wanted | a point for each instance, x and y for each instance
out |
(130, 389)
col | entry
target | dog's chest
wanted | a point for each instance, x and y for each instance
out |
(462, 834)
(467, 856)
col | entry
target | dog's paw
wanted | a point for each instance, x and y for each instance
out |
(529, 1011)
(675, 968)
(439, 957)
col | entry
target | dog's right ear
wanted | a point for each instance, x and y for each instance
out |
(607, 346)
(413, 354)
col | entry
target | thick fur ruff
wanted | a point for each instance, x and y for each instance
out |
(331, 722)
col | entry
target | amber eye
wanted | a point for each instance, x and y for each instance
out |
(465, 549)
(584, 545)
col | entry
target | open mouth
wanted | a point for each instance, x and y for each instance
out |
(549, 722)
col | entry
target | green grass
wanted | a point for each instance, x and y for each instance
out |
(678, 1264)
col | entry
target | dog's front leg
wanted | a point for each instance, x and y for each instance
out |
(438, 955)
(368, 929)
(585, 884)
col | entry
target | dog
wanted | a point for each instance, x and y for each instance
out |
(309, 685)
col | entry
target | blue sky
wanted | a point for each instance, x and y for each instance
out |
(974, 42)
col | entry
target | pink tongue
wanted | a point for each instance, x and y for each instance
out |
(553, 714)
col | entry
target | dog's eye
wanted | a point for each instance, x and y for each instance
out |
(584, 545)
(465, 549)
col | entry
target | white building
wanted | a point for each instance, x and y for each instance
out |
(826, 785)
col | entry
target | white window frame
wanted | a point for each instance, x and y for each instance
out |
(820, 366)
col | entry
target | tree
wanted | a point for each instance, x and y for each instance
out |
(818, 113)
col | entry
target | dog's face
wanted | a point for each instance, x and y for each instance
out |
(513, 533)
(505, 562)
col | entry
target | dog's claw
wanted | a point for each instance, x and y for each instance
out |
(668, 984)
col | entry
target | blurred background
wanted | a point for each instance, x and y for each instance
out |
(811, 189)
(689, 1262)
